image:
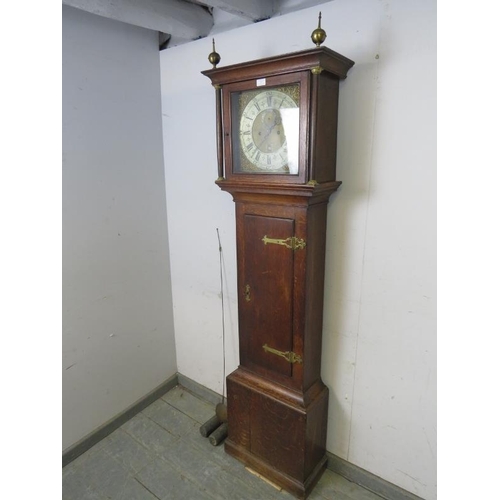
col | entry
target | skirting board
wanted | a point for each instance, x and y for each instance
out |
(104, 430)
(336, 464)
(200, 390)
(367, 480)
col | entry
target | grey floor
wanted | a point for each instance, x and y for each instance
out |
(159, 454)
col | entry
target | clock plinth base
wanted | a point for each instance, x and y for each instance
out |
(278, 432)
(296, 488)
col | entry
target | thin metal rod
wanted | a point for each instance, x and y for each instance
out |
(223, 326)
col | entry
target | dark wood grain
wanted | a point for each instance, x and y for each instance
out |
(219, 138)
(324, 136)
(238, 407)
(313, 291)
(278, 407)
(328, 59)
(267, 276)
(286, 434)
(281, 438)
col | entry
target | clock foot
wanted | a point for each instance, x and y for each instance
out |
(297, 488)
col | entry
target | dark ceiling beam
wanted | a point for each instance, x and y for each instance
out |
(175, 17)
(287, 6)
(254, 10)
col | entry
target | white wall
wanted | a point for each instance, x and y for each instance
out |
(118, 341)
(379, 355)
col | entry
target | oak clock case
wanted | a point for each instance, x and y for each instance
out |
(276, 143)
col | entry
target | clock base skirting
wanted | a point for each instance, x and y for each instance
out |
(276, 431)
(297, 488)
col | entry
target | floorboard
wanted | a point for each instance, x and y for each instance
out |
(159, 454)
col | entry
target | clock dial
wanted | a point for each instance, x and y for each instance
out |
(267, 131)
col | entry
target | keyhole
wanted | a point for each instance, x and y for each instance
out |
(247, 293)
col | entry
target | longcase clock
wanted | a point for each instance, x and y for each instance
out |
(276, 141)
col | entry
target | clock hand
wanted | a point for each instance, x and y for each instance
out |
(266, 136)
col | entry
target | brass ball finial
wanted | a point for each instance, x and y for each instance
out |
(214, 57)
(318, 36)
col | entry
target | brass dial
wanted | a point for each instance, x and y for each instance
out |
(267, 121)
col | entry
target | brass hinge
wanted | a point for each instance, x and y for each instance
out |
(293, 242)
(290, 356)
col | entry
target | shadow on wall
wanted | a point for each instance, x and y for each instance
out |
(347, 212)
